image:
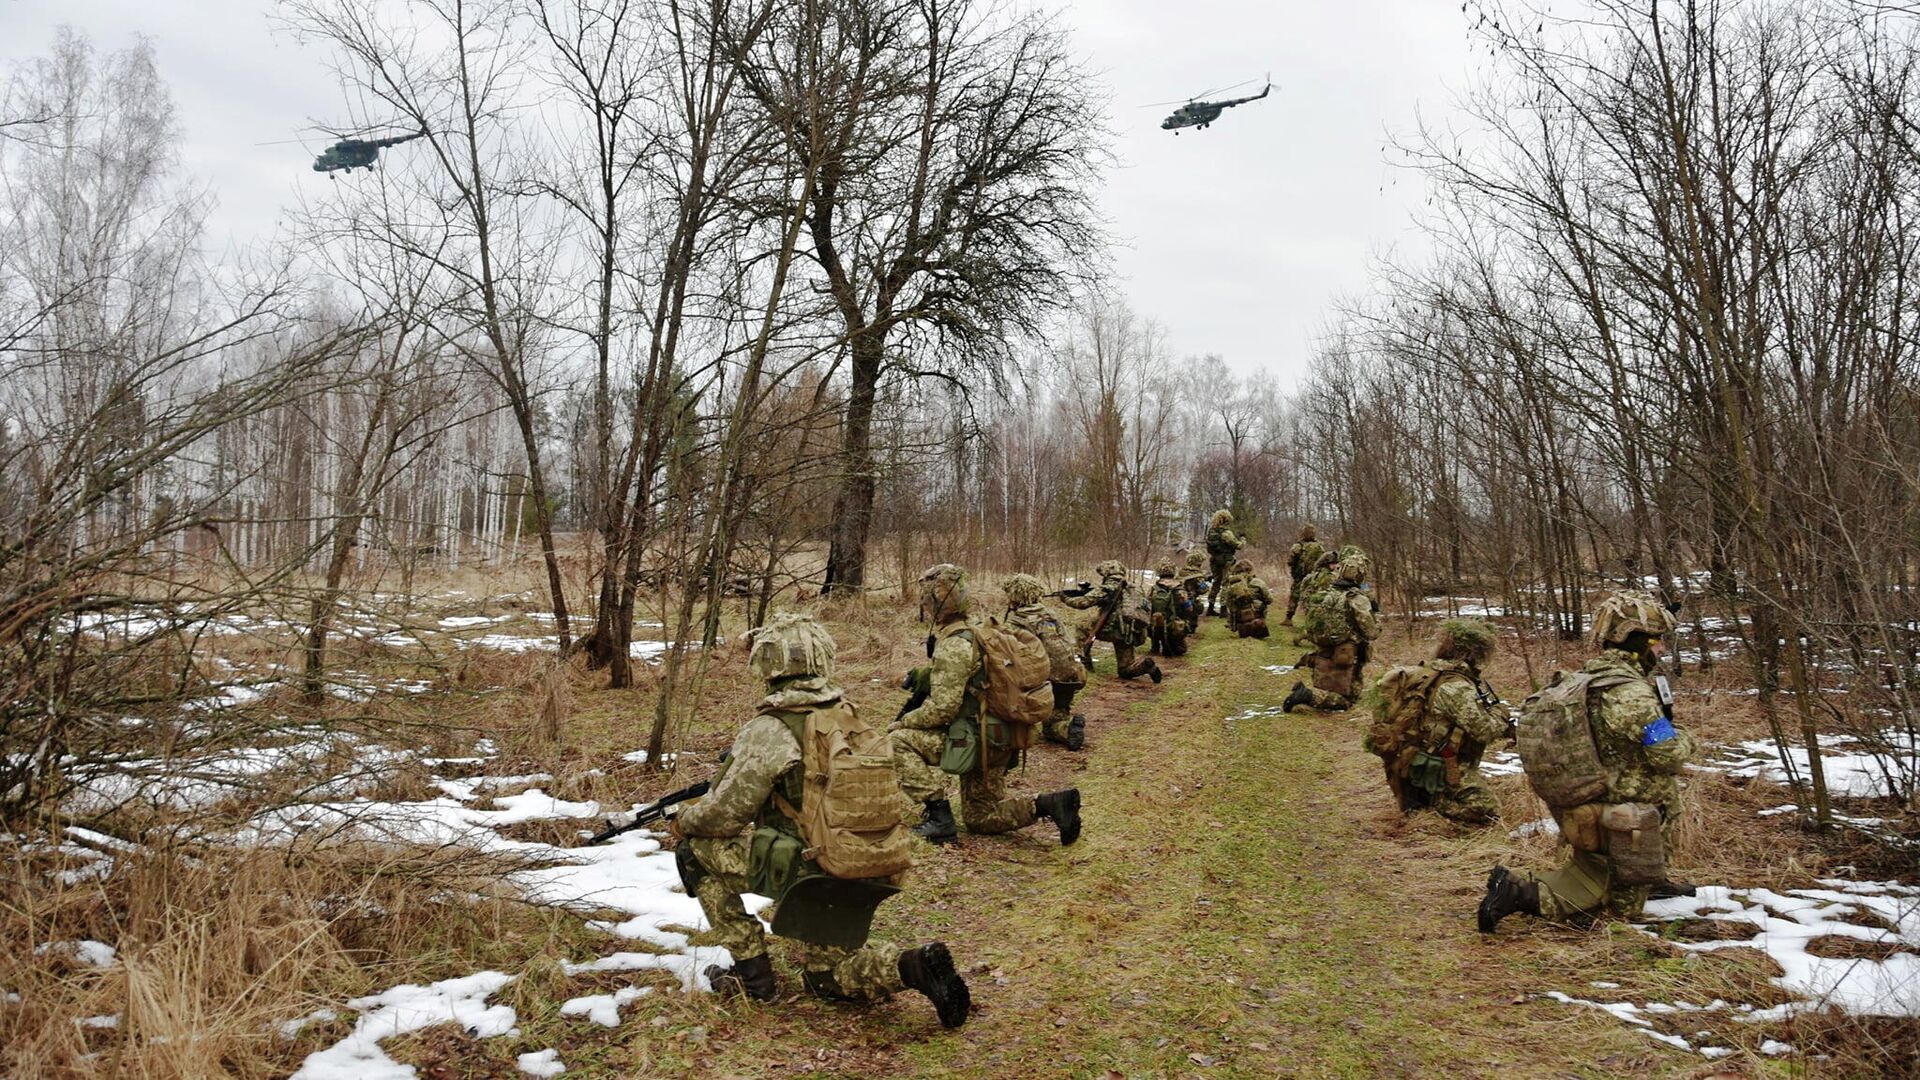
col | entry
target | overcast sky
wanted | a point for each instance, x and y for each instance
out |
(1237, 239)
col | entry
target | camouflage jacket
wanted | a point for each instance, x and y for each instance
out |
(1621, 716)
(1113, 594)
(1246, 590)
(1455, 716)
(1223, 538)
(1360, 614)
(765, 758)
(1301, 557)
(956, 664)
(1315, 583)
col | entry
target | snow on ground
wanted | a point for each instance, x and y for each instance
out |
(407, 1008)
(1501, 763)
(204, 780)
(604, 1009)
(87, 953)
(1545, 825)
(1637, 1016)
(1279, 669)
(1852, 771)
(1786, 923)
(542, 1063)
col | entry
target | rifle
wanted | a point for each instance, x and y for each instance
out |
(918, 684)
(1081, 589)
(1093, 632)
(652, 812)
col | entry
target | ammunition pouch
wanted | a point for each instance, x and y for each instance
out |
(1634, 843)
(1427, 773)
(691, 872)
(775, 860)
(1580, 827)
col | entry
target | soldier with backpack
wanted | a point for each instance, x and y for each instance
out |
(972, 724)
(1601, 750)
(1302, 558)
(818, 789)
(1193, 580)
(1121, 620)
(1432, 722)
(1247, 600)
(1222, 546)
(1317, 581)
(1172, 610)
(1024, 594)
(1342, 624)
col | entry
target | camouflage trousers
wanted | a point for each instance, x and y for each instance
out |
(1335, 677)
(1219, 565)
(1293, 598)
(1128, 663)
(916, 757)
(985, 805)
(1583, 887)
(1468, 802)
(869, 973)
(1055, 728)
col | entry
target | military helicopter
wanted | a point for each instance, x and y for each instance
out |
(1201, 114)
(349, 154)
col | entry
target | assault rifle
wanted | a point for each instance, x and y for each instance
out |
(1079, 589)
(1100, 623)
(918, 684)
(652, 812)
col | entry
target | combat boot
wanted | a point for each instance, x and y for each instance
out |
(1297, 697)
(1505, 896)
(1063, 809)
(1076, 732)
(929, 969)
(752, 977)
(938, 824)
(1153, 672)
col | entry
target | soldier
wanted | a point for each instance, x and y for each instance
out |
(1302, 558)
(1613, 844)
(1024, 594)
(1172, 609)
(1319, 580)
(1432, 723)
(1119, 621)
(1193, 579)
(955, 684)
(760, 784)
(1247, 600)
(1222, 545)
(1342, 624)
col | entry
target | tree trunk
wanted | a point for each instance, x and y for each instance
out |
(853, 505)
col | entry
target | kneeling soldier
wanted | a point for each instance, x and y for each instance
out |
(764, 787)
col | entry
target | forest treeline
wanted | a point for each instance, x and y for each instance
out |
(681, 301)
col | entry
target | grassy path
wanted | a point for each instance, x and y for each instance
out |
(1245, 902)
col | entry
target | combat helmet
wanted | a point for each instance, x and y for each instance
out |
(1623, 613)
(1022, 589)
(1471, 640)
(1243, 566)
(1196, 560)
(1110, 568)
(1165, 569)
(943, 593)
(1306, 532)
(789, 646)
(1352, 571)
(1221, 518)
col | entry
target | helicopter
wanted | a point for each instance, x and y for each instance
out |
(1202, 114)
(349, 154)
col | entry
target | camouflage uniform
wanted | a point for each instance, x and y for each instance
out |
(1648, 773)
(1337, 669)
(1247, 600)
(1302, 558)
(1223, 545)
(766, 759)
(1025, 611)
(956, 683)
(1317, 581)
(1120, 627)
(1457, 728)
(1643, 752)
(1172, 609)
(1193, 579)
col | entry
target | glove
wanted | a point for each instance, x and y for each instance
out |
(621, 820)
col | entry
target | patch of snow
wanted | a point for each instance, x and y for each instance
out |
(1845, 819)
(1546, 826)
(109, 1021)
(1785, 923)
(1852, 771)
(289, 1029)
(466, 622)
(432, 822)
(1279, 669)
(604, 1009)
(96, 954)
(1602, 985)
(541, 1063)
(1501, 763)
(1775, 1048)
(403, 1009)
(11, 997)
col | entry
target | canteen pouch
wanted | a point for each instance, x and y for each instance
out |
(962, 753)
(1428, 773)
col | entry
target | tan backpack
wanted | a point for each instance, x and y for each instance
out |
(1019, 692)
(849, 812)
(1399, 714)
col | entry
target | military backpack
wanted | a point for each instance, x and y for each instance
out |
(1555, 739)
(1220, 543)
(1399, 714)
(849, 812)
(1306, 555)
(1325, 619)
(1019, 690)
